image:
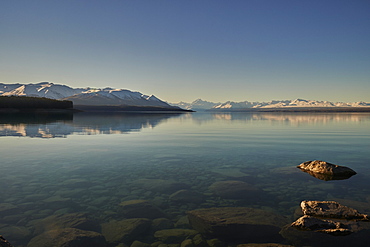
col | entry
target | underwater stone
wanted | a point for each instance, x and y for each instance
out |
(183, 222)
(137, 243)
(68, 237)
(187, 243)
(234, 189)
(161, 224)
(160, 185)
(187, 196)
(174, 236)
(125, 230)
(238, 223)
(73, 220)
(140, 209)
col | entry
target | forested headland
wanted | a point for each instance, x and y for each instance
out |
(32, 103)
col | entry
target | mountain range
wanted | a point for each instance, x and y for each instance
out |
(84, 96)
(123, 97)
(276, 104)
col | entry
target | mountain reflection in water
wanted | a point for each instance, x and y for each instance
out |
(62, 125)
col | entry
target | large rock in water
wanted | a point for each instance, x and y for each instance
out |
(343, 226)
(331, 209)
(326, 171)
(310, 223)
(238, 224)
(234, 189)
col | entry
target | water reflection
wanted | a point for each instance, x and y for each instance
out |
(62, 125)
(294, 119)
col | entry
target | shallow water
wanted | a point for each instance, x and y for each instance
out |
(91, 163)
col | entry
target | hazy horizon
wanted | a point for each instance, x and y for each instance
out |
(184, 50)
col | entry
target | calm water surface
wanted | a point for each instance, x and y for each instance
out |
(91, 163)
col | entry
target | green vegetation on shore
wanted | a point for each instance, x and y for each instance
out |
(30, 103)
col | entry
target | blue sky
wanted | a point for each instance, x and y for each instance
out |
(256, 50)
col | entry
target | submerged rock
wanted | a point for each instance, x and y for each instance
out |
(326, 171)
(161, 224)
(68, 237)
(331, 209)
(174, 236)
(233, 189)
(125, 231)
(160, 185)
(238, 224)
(140, 209)
(187, 196)
(73, 220)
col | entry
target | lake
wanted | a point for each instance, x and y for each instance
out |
(59, 166)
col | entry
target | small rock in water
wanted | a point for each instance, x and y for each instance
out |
(326, 171)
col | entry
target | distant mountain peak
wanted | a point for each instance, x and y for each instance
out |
(201, 105)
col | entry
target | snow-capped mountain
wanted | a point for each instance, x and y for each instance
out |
(109, 96)
(297, 103)
(196, 105)
(83, 96)
(42, 89)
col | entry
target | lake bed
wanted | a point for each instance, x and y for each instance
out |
(92, 163)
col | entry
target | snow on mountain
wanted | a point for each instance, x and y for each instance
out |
(110, 96)
(82, 96)
(271, 104)
(231, 104)
(42, 89)
(4, 88)
(197, 104)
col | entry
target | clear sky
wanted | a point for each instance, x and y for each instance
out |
(181, 50)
